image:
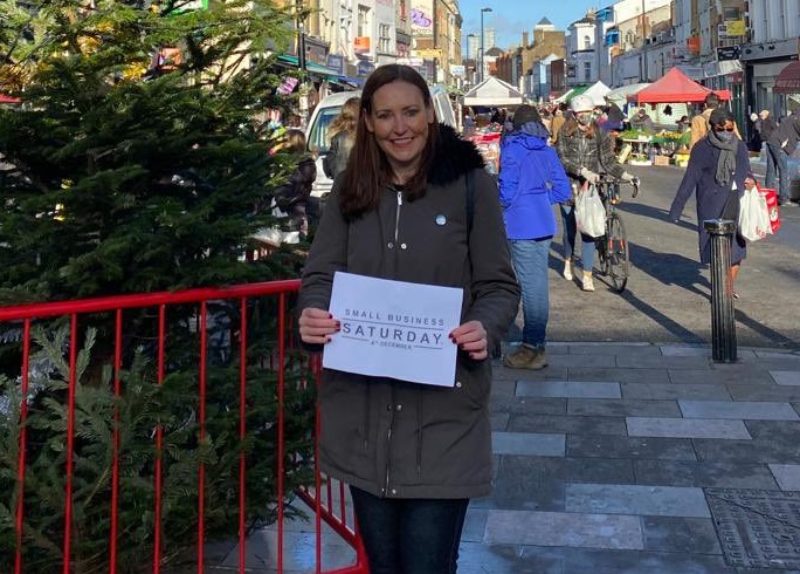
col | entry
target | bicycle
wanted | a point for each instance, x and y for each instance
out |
(612, 248)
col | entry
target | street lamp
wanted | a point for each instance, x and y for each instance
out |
(469, 37)
(482, 11)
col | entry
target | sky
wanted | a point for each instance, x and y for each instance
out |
(511, 17)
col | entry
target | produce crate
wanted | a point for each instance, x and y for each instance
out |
(661, 160)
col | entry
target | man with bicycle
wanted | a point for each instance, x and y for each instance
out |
(586, 152)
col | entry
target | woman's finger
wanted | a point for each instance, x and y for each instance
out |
(479, 345)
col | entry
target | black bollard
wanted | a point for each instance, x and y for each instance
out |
(723, 322)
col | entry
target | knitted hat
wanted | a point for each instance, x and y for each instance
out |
(525, 114)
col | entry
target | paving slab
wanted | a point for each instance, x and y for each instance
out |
(685, 351)
(474, 524)
(580, 561)
(744, 391)
(586, 361)
(587, 530)
(670, 391)
(530, 444)
(629, 447)
(568, 424)
(636, 499)
(787, 475)
(680, 535)
(537, 483)
(738, 410)
(618, 375)
(777, 431)
(637, 350)
(708, 376)
(500, 421)
(551, 373)
(528, 406)
(783, 356)
(623, 408)
(480, 558)
(569, 389)
(686, 428)
(661, 362)
(704, 474)
(786, 377)
(745, 451)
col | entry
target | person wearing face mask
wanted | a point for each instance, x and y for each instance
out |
(718, 172)
(412, 454)
(586, 152)
(642, 122)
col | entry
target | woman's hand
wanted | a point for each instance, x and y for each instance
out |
(471, 337)
(317, 326)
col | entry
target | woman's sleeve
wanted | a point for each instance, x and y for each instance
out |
(327, 256)
(687, 186)
(608, 159)
(495, 291)
(508, 179)
(563, 152)
(561, 190)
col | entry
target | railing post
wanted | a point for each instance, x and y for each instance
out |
(723, 323)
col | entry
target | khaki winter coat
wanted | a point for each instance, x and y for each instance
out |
(398, 439)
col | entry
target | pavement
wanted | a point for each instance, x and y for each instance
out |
(633, 452)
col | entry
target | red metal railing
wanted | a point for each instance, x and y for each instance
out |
(327, 500)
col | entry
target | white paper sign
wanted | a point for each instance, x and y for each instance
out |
(394, 329)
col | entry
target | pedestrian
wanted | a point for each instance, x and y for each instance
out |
(586, 151)
(684, 124)
(343, 133)
(559, 117)
(412, 454)
(642, 122)
(700, 125)
(532, 180)
(754, 141)
(718, 172)
(782, 143)
(292, 197)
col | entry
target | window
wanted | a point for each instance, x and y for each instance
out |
(384, 38)
(363, 21)
(587, 42)
(319, 140)
(587, 71)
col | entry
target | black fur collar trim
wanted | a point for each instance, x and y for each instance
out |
(453, 157)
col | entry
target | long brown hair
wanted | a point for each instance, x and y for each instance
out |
(368, 170)
(347, 119)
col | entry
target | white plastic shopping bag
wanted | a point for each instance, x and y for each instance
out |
(590, 215)
(754, 221)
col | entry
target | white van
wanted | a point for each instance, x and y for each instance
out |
(318, 141)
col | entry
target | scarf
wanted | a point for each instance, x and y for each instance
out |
(726, 164)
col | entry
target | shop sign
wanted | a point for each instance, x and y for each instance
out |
(365, 68)
(693, 45)
(458, 70)
(428, 53)
(361, 44)
(336, 62)
(728, 53)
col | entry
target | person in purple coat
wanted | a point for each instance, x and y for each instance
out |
(531, 180)
(719, 172)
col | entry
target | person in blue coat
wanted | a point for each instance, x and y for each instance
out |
(531, 180)
(719, 172)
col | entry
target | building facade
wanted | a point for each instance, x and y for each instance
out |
(580, 49)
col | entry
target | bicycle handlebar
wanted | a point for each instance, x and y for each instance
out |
(635, 182)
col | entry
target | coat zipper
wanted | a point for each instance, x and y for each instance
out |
(397, 218)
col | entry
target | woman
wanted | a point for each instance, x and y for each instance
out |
(343, 133)
(532, 180)
(293, 196)
(412, 454)
(586, 151)
(719, 171)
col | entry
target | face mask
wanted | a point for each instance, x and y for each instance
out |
(725, 136)
(584, 118)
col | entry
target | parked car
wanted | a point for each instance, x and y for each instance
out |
(318, 141)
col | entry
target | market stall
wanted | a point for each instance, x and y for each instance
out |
(491, 93)
(597, 92)
(673, 92)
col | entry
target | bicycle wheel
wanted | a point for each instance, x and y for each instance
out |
(618, 256)
(601, 248)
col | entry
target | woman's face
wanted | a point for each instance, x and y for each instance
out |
(400, 122)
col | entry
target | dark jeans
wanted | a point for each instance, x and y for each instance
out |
(570, 232)
(780, 161)
(410, 536)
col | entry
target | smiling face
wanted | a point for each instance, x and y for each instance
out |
(400, 122)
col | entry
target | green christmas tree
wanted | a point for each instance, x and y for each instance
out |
(139, 161)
